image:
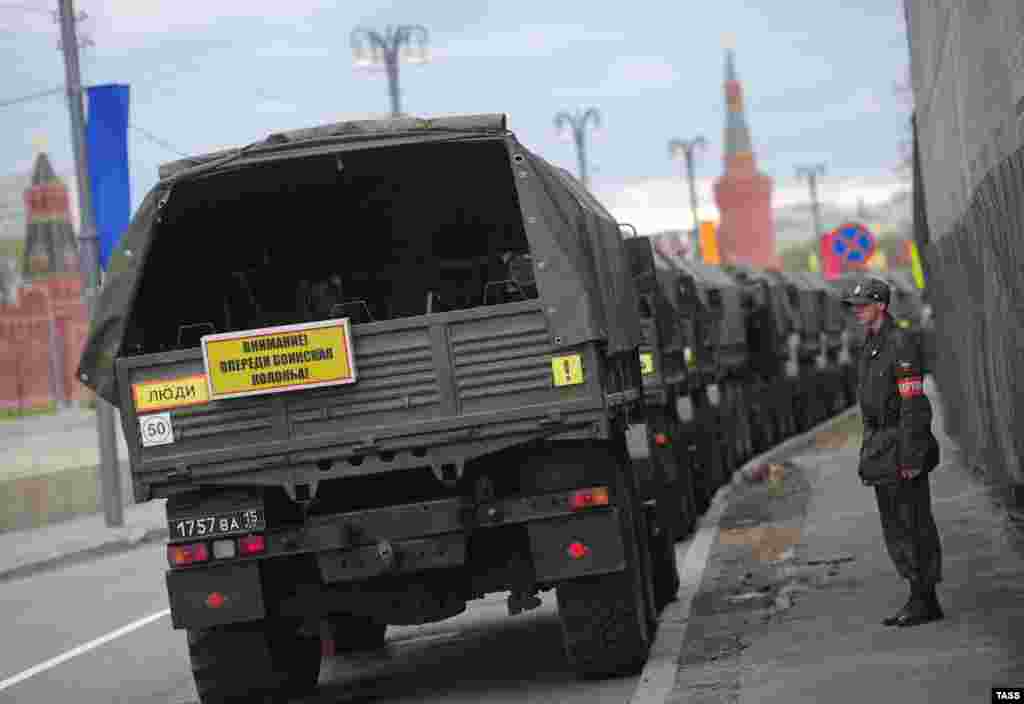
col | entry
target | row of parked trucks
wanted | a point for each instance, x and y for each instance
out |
(452, 429)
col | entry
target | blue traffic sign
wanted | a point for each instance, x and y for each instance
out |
(853, 242)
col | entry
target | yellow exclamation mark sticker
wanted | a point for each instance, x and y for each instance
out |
(646, 363)
(567, 370)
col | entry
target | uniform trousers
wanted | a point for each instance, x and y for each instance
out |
(909, 529)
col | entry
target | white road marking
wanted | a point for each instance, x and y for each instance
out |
(84, 648)
(659, 675)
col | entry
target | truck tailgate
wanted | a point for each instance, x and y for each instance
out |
(421, 382)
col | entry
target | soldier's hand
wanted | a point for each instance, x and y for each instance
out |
(908, 472)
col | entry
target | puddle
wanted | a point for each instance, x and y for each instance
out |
(769, 543)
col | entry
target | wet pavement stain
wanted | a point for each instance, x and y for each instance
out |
(750, 580)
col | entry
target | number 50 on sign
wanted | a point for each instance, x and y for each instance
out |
(156, 429)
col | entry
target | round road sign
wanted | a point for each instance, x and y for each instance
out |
(853, 242)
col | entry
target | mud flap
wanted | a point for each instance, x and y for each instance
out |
(215, 596)
(598, 531)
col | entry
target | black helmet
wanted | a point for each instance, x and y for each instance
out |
(870, 290)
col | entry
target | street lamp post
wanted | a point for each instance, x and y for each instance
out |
(812, 173)
(688, 149)
(406, 41)
(578, 124)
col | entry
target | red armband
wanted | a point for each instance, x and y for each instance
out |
(910, 386)
(909, 380)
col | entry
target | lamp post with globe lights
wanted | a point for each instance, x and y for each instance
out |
(575, 126)
(687, 150)
(406, 42)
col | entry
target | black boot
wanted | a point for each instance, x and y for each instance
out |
(895, 618)
(923, 608)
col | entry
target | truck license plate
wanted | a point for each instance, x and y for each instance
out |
(210, 526)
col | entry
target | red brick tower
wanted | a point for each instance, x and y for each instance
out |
(746, 231)
(43, 334)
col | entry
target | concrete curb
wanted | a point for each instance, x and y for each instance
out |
(125, 540)
(790, 446)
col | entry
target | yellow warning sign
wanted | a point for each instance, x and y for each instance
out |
(646, 363)
(278, 359)
(567, 370)
(160, 395)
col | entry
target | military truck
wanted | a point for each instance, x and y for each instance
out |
(773, 368)
(667, 365)
(441, 423)
(730, 392)
(700, 447)
(806, 297)
(834, 344)
(715, 301)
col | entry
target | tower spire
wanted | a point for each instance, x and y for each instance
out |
(746, 230)
(738, 148)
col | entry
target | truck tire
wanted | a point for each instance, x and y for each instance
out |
(663, 559)
(606, 619)
(232, 663)
(687, 478)
(352, 633)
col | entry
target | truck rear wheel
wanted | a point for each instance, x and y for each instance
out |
(606, 619)
(232, 663)
(663, 559)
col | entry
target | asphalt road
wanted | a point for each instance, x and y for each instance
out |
(483, 653)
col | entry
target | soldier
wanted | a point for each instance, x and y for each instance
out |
(899, 450)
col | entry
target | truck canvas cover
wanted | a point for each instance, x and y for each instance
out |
(583, 281)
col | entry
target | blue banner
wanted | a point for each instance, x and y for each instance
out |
(106, 139)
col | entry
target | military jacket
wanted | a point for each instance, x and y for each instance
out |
(897, 415)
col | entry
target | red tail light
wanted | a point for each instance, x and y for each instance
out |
(181, 555)
(578, 550)
(251, 545)
(661, 440)
(587, 498)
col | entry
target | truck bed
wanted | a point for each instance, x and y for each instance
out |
(431, 390)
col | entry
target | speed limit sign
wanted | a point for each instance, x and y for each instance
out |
(156, 429)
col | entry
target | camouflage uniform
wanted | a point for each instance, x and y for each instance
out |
(897, 434)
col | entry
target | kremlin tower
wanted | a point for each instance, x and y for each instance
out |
(43, 332)
(50, 247)
(746, 231)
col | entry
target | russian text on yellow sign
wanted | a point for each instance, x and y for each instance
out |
(646, 363)
(337, 368)
(709, 243)
(567, 370)
(150, 396)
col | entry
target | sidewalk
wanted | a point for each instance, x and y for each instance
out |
(25, 552)
(798, 580)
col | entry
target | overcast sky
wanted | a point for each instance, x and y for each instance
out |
(818, 80)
